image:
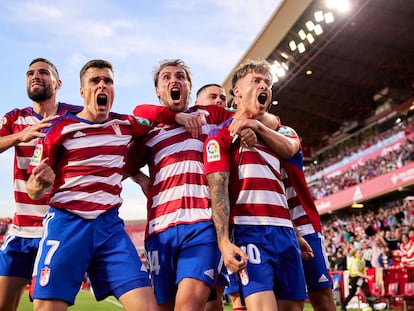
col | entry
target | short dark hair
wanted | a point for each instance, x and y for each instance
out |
(95, 63)
(44, 60)
(206, 86)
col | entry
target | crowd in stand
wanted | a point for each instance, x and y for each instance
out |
(385, 236)
(362, 171)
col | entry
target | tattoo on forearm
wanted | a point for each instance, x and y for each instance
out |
(220, 203)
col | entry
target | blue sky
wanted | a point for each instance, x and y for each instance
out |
(209, 35)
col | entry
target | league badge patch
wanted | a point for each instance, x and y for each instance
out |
(37, 155)
(213, 151)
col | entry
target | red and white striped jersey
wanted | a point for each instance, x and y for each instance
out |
(257, 194)
(302, 208)
(179, 193)
(28, 217)
(88, 160)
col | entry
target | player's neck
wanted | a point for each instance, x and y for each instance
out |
(46, 108)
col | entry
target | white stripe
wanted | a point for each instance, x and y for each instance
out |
(99, 196)
(290, 193)
(20, 186)
(256, 171)
(23, 162)
(29, 120)
(297, 212)
(181, 215)
(114, 179)
(270, 159)
(100, 160)
(32, 209)
(178, 168)
(164, 134)
(87, 214)
(96, 141)
(175, 193)
(79, 126)
(26, 232)
(31, 143)
(263, 221)
(46, 221)
(305, 229)
(261, 197)
(190, 144)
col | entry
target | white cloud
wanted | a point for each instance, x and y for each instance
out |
(209, 35)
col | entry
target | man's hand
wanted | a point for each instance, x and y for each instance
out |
(42, 177)
(191, 122)
(306, 251)
(235, 259)
(33, 131)
(44, 174)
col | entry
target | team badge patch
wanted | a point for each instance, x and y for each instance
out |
(44, 276)
(37, 155)
(213, 151)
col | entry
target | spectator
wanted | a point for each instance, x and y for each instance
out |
(406, 251)
(384, 259)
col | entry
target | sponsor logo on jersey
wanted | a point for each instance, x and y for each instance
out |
(213, 151)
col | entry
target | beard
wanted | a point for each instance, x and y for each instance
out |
(40, 95)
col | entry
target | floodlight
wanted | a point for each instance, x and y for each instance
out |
(292, 45)
(318, 29)
(302, 34)
(301, 47)
(310, 38)
(329, 18)
(309, 25)
(318, 16)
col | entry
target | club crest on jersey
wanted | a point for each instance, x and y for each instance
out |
(37, 155)
(3, 121)
(44, 276)
(213, 151)
(286, 131)
(142, 121)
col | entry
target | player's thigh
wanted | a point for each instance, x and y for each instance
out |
(11, 289)
(263, 301)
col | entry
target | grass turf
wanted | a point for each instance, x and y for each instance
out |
(85, 301)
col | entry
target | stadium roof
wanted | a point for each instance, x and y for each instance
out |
(362, 66)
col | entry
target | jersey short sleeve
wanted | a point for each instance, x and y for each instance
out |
(217, 152)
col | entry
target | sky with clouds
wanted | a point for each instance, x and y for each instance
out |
(211, 36)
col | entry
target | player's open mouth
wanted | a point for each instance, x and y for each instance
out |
(262, 98)
(102, 100)
(175, 93)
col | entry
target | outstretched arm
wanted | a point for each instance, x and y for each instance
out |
(29, 133)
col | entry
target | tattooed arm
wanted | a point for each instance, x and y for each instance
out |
(235, 258)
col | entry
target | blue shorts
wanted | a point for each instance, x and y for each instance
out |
(17, 256)
(274, 261)
(72, 246)
(233, 284)
(183, 251)
(316, 270)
